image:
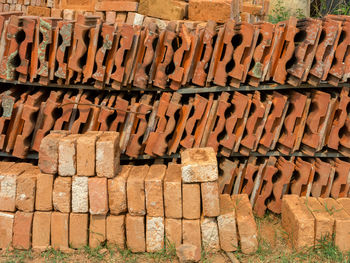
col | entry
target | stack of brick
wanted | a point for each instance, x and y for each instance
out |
(310, 220)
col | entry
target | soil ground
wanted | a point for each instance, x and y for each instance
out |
(273, 247)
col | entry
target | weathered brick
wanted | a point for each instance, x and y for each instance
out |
(6, 229)
(136, 190)
(107, 155)
(210, 199)
(164, 9)
(135, 233)
(61, 194)
(59, 230)
(154, 190)
(116, 231)
(38, 11)
(117, 191)
(191, 232)
(173, 191)
(86, 154)
(121, 6)
(78, 230)
(210, 234)
(97, 230)
(56, 13)
(41, 230)
(154, 233)
(173, 232)
(199, 165)
(188, 253)
(80, 194)
(134, 19)
(204, 10)
(25, 192)
(67, 155)
(98, 196)
(68, 14)
(191, 201)
(22, 230)
(44, 187)
(110, 17)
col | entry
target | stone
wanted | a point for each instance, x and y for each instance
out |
(97, 230)
(246, 226)
(210, 199)
(41, 230)
(188, 253)
(173, 191)
(107, 155)
(67, 155)
(210, 234)
(298, 222)
(78, 230)
(204, 10)
(59, 230)
(80, 194)
(154, 233)
(166, 9)
(135, 233)
(98, 196)
(227, 224)
(116, 231)
(199, 165)
(191, 201)
(86, 154)
(6, 229)
(117, 191)
(191, 232)
(61, 194)
(43, 196)
(136, 190)
(154, 190)
(25, 196)
(173, 232)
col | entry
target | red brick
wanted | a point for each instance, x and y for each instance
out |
(97, 230)
(173, 191)
(107, 155)
(173, 232)
(154, 190)
(43, 196)
(136, 190)
(59, 230)
(22, 230)
(25, 192)
(191, 232)
(117, 191)
(191, 201)
(210, 234)
(116, 231)
(154, 233)
(67, 155)
(6, 228)
(86, 154)
(164, 9)
(135, 233)
(128, 6)
(210, 199)
(204, 10)
(80, 194)
(41, 230)
(98, 196)
(78, 230)
(61, 194)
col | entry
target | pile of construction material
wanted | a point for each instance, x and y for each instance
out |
(80, 196)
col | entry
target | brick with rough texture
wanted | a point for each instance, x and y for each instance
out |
(191, 201)
(116, 231)
(22, 230)
(41, 230)
(188, 253)
(38, 11)
(117, 191)
(199, 165)
(67, 155)
(61, 194)
(135, 233)
(204, 10)
(98, 196)
(25, 192)
(210, 234)
(154, 233)
(164, 9)
(136, 190)
(127, 6)
(210, 199)
(191, 232)
(97, 230)
(154, 190)
(107, 155)
(78, 230)
(43, 196)
(59, 230)
(6, 229)
(80, 194)
(86, 154)
(173, 231)
(173, 191)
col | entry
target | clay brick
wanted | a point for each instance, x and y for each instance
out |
(204, 10)
(168, 9)
(136, 190)
(135, 233)
(48, 153)
(22, 230)
(61, 194)
(127, 6)
(298, 221)
(110, 17)
(59, 230)
(68, 14)
(210, 234)
(191, 201)
(116, 231)
(188, 253)
(173, 232)
(25, 193)
(41, 230)
(246, 226)
(191, 232)
(154, 190)
(86, 155)
(67, 155)
(323, 221)
(43, 197)
(154, 233)
(210, 199)
(80, 196)
(56, 13)
(134, 19)
(98, 196)
(78, 230)
(6, 229)
(107, 155)
(117, 191)
(38, 11)
(227, 224)
(173, 191)
(342, 223)
(97, 230)
(199, 165)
